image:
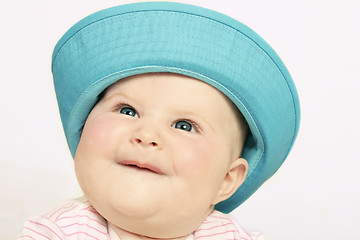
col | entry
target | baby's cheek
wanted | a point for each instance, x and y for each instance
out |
(195, 159)
(97, 134)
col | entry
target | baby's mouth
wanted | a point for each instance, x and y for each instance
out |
(141, 166)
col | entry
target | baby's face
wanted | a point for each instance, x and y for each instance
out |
(155, 153)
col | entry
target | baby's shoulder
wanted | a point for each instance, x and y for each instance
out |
(74, 217)
(78, 209)
(219, 226)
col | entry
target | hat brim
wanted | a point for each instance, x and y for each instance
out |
(170, 37)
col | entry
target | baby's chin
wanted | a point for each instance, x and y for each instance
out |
(143, 234)
(154, 227)
(150, 215)
(154, 223)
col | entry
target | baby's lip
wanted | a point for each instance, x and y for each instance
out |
(141, 166)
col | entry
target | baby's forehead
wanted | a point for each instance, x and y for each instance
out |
(156, 76)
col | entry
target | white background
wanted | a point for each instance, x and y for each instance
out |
(315, 194)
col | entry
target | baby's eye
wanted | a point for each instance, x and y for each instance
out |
(184, 125)
(128, 111)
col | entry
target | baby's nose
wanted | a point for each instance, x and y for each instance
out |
(147, 135)
(150, 143)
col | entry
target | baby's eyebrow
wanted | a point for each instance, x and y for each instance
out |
(191, 113)
(109, 97)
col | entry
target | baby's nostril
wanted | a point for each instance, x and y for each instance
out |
(154, 144)
(138, 140)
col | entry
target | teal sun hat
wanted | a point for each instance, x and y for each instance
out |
(171, 37)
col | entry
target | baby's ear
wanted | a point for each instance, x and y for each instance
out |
(233, 179)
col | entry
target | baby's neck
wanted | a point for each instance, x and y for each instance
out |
(125, 235)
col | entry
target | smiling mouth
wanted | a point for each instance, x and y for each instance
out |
(141, 167)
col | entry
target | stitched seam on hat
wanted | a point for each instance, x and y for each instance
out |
(163, 12)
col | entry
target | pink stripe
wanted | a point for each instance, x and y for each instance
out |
(232, 222)
(229, 219)
(211, 235)
(207, 221)
(90, 207)
(36, 232)
(217, 217)
(57, 210)
(84, 225)
(24, 236)
(70, 204)
(223, 218)
(44, 227)
(93, 211)
(202, 229)
(82, 233)
(68, 210)
(82, 216)
(54, 211)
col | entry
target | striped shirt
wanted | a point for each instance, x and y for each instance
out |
(77, 219)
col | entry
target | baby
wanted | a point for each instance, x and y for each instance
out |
(170, 112)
